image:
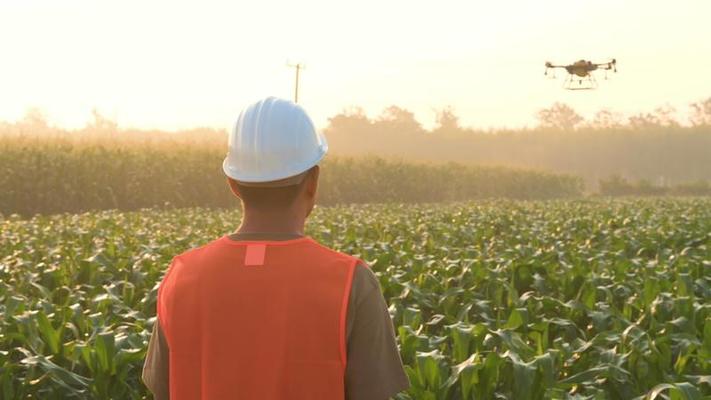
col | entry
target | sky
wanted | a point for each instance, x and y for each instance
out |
(181, 64)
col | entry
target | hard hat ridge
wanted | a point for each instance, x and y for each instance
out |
(273, 139)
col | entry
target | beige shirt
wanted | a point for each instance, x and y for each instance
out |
(374, 369)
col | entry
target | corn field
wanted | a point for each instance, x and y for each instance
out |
(582, 299)
(52, 175)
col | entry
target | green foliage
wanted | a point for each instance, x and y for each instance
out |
(618, 186)
(43, 175)
(490, 300)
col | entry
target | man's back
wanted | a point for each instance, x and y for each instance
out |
(283, 305)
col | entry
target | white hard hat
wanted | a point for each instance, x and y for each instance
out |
(273, 141)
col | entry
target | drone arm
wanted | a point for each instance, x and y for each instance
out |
(608, 65)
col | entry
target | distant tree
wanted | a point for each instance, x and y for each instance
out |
(701, 113)
(349, 120)
(34, 122)
(101, 123)
(447, 120)
(559, 116)
(35, 118)
(355, 112)
(399, 119)
(660, 117)
(606, 119)
(666, 115)
(644, 121)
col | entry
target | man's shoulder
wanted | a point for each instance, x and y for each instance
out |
(200, 251)
(336, 253)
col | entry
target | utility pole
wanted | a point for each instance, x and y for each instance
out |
(298, 67)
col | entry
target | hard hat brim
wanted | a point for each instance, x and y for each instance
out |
(293, 178)
(290, 181)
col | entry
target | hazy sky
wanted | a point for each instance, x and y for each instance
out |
(176, 64)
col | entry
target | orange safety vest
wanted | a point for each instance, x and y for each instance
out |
(257, 320)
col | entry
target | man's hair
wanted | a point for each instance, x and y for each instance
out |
(269, 197)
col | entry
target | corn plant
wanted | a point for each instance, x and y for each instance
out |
(585, 299)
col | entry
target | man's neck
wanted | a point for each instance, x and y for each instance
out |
(257, 221)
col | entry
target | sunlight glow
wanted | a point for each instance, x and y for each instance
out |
(179, 64)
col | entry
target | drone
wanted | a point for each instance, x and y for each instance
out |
(580, 75)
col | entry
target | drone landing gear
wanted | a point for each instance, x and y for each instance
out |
(580, 83)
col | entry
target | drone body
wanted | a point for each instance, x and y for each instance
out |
(580, 75)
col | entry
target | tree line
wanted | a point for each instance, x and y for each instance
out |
(653, 146)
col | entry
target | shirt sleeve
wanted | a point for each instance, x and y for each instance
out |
(374, 369)
(155, 369)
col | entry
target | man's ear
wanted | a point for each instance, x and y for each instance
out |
(312, 181)
(233, 187)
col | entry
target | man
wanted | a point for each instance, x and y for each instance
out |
(267, 313)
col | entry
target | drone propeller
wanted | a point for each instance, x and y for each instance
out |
(611, 65)
(550, 66)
